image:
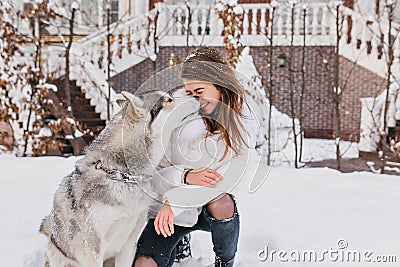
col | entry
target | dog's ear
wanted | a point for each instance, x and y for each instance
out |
(134, 101)
(121, 101)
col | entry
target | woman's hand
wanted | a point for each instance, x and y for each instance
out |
(203, 177)
(164, 221)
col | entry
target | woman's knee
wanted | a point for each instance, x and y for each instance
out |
(145, 262)
(222, 208)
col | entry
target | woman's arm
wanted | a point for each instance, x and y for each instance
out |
(203, 186)
(167, 175)
(164, 221)
(168, 178)
(236, 173)
(203, 177)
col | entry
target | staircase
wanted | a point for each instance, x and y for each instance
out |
(84, 113)
(81, 108)
(131, 43)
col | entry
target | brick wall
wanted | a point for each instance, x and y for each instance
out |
(357, 82)
(319, 72)
(317, 101)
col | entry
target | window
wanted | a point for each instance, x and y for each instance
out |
(114, 11)
(113, 4)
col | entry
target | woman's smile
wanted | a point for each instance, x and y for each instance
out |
(208, 94)
(204, 105)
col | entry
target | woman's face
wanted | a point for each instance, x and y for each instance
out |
(209, 95)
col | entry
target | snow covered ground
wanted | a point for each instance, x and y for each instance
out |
(314, 150)
(294, 210)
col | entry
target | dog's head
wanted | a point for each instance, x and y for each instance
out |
(160, 111)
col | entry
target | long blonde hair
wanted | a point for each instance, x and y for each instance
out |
(207, 64)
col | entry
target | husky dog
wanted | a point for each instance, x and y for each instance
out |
(100, 208)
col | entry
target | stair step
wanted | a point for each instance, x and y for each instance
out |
(67, 149)
(96, 129)
(81, 115)
(74, 89)
(82, 101)
(89, 109)
(93, 122)
(88, 139)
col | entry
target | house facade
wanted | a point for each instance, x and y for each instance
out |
(147, 35)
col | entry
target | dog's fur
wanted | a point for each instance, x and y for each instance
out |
(94, 217)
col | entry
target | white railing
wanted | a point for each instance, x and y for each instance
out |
(256, 24)
(367, 44)
(317, 19)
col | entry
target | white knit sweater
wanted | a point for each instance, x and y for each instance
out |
(189, 149)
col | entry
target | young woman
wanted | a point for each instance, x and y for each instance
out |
(197, 156)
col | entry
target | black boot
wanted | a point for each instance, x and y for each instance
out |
(221, 263)
(183, 249)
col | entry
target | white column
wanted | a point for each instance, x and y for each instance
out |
(391, 122)
(24, 26)
(374, 41)
(325, 23)
(397, 49)
(279, 22)
(78, 13)
(365, 7)
(254, 21)
(195, 20)
(397, 107)
(214, 22)
(263, 23)
(269, 23)
(100, 12)
(315, 20)
(366, 36)
(204, 12)
(343, 20)
(245, 21)
(178, 21)
(125, 11)
(121, 8)
(331, 20)
(138, 8)
(162, 17)
(356, 31)
(289, 11)
(115, 45)
(297, 20)
(368, 132)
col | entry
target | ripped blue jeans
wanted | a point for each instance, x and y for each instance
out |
(224, 234)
